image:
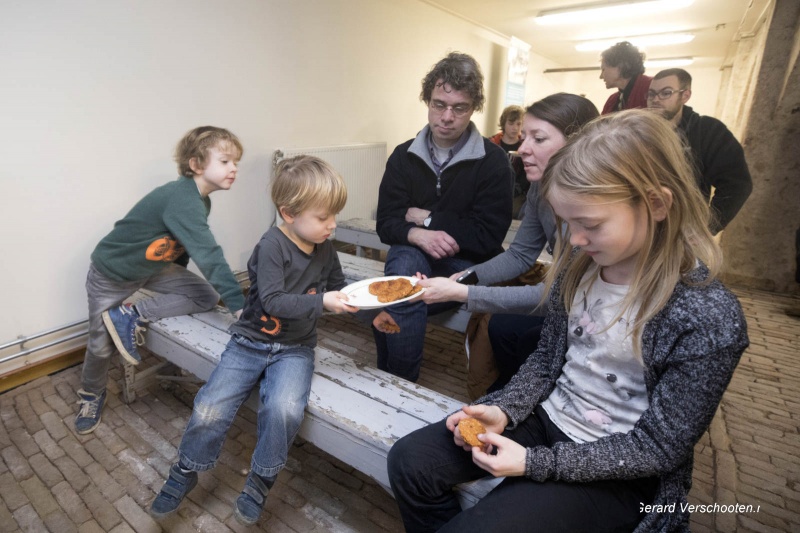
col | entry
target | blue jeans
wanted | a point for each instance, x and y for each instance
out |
(426, 464)
(401, 353)
(285, 381)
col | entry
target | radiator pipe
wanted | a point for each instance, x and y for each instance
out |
(22, 340)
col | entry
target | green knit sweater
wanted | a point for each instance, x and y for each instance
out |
(168, 225)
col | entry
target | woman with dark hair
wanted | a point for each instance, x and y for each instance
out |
(622, 67)
(514, 334)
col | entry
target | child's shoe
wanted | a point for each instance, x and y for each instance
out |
(89, 414)
(251, 501)
(127, 331)
(173, 492)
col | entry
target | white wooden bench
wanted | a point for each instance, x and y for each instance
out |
(358, 268)
(354, 413)
(362, 233)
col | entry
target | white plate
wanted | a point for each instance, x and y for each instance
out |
(358, 293)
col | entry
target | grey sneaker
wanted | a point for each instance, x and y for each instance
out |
(89, 415)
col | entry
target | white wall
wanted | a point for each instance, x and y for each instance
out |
(94, 95)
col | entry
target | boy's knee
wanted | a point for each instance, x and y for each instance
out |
(208, 299)
(291, 410)
(207, 413)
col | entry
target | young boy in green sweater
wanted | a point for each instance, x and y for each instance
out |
(150, 248)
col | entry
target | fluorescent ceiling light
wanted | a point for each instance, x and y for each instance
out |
(608, 10)
(642, 41)
(669, 62)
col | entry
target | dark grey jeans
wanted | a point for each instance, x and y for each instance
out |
(181, 292)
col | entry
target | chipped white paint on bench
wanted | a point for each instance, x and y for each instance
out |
(359, 268)
(362, 233)
(354, 412)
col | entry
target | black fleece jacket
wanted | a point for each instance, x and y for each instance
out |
(476, 195)
(719, 162)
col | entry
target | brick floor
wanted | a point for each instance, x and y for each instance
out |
(53, 479)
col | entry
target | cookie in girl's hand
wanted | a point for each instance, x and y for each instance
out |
(470, 429)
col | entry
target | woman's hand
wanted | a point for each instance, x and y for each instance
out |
(442, 290)
(509, 459)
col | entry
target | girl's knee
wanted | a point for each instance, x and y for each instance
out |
(400, 457)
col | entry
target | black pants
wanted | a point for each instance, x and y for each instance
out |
(513, 339)
(425, 465)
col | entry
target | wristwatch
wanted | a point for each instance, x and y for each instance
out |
(427, 222)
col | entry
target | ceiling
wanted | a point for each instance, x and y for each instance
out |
(715, 24)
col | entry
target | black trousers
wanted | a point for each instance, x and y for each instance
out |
(426, 464)
(513, 339)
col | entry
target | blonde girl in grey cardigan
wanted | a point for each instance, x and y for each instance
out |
(596, 432)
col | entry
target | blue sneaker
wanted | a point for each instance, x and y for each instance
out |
(250, 502)
(177, 486)
(127, 331)
(89, 415)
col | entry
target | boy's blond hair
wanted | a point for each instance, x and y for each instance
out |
(630, 157)
(197, 143)
(305, 182)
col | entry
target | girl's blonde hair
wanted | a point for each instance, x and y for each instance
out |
(305, 182)
(631, 156)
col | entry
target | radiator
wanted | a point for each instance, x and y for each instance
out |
(361, 166)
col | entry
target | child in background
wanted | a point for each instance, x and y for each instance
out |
(509, 139)
(150, 249)
(294, 275)
(638, 346)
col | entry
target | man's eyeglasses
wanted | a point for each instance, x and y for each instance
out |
(663, 94)
(458, 110)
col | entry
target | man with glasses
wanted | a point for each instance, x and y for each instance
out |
(444, 205)
(717, 156)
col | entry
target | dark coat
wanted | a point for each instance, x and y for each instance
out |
(719, 163)
(476, 195)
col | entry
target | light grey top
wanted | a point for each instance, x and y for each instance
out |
(538, 227)
(601, 390)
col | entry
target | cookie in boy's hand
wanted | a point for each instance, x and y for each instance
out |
(470, 429)
(391, 328)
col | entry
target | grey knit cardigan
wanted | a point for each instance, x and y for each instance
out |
(690, 350)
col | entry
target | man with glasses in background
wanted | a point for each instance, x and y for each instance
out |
(444, 205)
(717, 156)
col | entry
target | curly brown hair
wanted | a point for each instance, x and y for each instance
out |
(625, 56)
(197, 143)
(461, 72)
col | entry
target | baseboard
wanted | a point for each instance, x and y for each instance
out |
(46, 367)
